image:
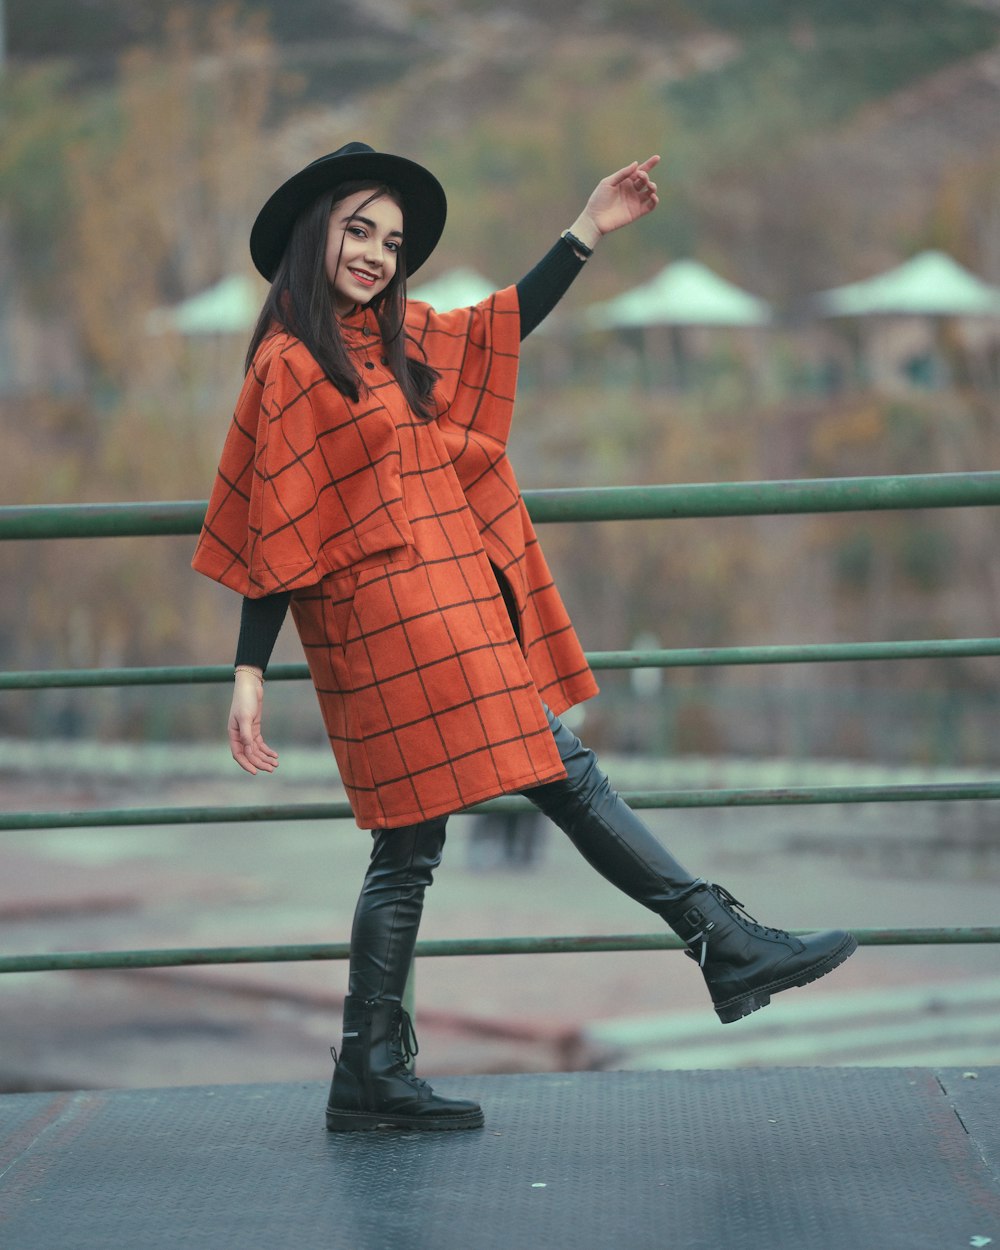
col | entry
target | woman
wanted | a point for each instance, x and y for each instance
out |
(364, 481)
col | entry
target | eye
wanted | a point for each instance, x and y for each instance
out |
(357, 231)
(392, 245)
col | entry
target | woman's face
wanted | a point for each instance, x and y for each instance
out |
(362, 248)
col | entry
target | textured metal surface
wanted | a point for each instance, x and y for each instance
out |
(769, 1159)
(976, 1099)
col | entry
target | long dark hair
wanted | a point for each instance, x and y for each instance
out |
(301, 301)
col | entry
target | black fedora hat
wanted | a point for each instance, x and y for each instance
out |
(424, 204)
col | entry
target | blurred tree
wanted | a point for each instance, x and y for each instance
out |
(157, 187)
(163, 192)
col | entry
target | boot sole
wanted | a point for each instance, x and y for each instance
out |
(745, 1004)
(368, 1121)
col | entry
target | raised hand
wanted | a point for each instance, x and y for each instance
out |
(618, 200)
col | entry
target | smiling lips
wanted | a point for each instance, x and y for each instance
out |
(363, 276)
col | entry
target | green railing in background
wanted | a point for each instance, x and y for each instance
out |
(608, 503)
(732, 499)
(186, 957)
(690, 657)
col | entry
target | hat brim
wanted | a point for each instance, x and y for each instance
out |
(425, 205)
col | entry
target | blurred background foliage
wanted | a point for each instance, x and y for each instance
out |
(806, 144)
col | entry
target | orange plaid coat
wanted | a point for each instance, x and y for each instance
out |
(384, 527)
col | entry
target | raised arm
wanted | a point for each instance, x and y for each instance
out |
(618, 200)
(543, 287)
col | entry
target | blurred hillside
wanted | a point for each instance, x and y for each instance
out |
(807, 139)
(805, 145)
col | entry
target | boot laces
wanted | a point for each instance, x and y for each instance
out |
(405, 1048)
(736, 907)
(405, 1038)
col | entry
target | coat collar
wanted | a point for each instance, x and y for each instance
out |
(359, 327)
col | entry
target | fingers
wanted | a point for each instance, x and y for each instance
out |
(635, 188)
(267, 751)
(254, 757)
(639, 173)
(642, 184)
(648, 199)
(619, 176)
(242, 753)
(249, 749)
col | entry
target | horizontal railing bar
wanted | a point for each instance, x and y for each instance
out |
(774, 498)
(65, 961)
(684, 657)
(603, 503)
(169, 675)
(639, 799)
(795, 653)
(102, 520)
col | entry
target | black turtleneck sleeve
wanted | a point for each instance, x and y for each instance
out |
(543, 287)
(260, 624)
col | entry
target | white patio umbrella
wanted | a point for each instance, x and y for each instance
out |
(930, 284)
(458, 288)
(231, 306)
(685, 293)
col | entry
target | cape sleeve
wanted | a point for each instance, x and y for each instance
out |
(476, 351)
(305, 485)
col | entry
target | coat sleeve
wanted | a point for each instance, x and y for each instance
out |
(475, 350)
(305, 486)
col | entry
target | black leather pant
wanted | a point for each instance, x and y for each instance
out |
(605, 830)
(387, 916)
(593, 816)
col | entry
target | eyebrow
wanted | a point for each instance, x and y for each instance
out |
(367, 221)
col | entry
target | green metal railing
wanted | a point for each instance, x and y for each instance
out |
(689, 657)
(608, 503)
(187, 957)
(948, 490)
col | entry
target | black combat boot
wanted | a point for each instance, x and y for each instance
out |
(745, 962)
(372, 1085)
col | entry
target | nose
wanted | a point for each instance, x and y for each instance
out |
(375, 251)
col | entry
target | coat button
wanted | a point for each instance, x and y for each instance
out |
(369, 365)
(384, 360)
(365, 331)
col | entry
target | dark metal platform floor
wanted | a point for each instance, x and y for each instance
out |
(764, 1159)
